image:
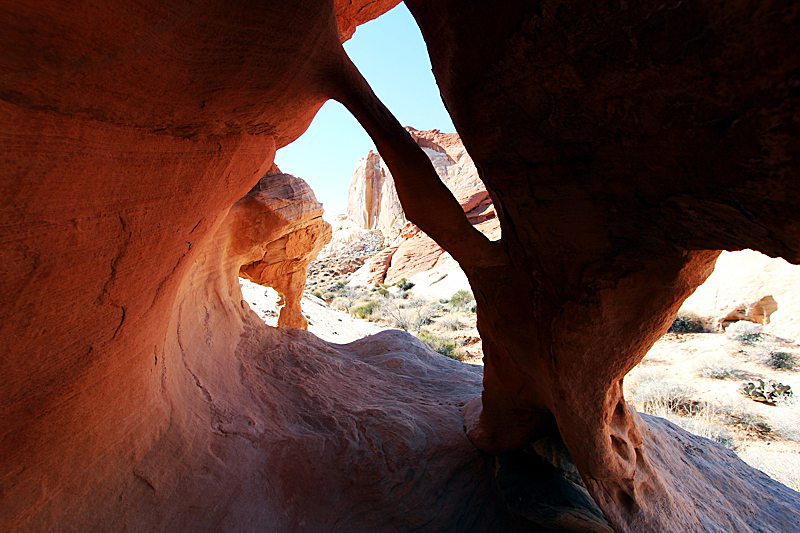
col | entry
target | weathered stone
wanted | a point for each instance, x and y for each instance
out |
(280, 222)
(622, 144)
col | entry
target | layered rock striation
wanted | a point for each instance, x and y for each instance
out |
(623, 147)
(373, 205)
(280, 223)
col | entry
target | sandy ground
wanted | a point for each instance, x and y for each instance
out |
(683, 358)
(323, 321)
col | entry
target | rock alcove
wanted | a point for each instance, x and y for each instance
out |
(623, 147)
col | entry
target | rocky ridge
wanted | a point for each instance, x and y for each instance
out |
(374, 209)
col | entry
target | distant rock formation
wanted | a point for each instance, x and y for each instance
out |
(281, 223)
(415, 256)
(373, 206)
(372, 202)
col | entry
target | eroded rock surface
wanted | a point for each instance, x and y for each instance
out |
(622, 148)
(280, 222)
(622, 145)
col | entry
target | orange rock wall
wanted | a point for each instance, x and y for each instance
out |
(623, 146)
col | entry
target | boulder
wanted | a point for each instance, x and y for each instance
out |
(280, 222)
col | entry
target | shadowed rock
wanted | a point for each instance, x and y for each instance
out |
(622, 145)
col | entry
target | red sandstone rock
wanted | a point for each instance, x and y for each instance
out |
(373, 204)
(620, 144)
(280, 222)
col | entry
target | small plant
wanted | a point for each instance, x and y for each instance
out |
(397, 315)
(461, 299)
(365, 310)
(318, 294)
(404, 284)
(342, 304)
(424, 316)
(451, 323)
(687, 322)
(336, 287)
(442, 346)
(720, 369)
(660, 394)
(745, 332)
(702, 421)
(747, 421)
(767, 392)
(781, 360)
(328, 296)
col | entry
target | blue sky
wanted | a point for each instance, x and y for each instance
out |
(390, 53)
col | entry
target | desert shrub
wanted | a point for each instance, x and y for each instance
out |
(720, 369)
(687, 322)
(383, 292)
(397, 315)
(659, 394)
(350, 296)
(461, 298)
(780, 360)
(751, 423)
(342, 304)
(404, 284)
(318, 294)
(769, 391)
(423, 317)
(336, 287)
(328, 296)
(745, 332)
(450, 322)
(442, 346)
(702, 421)
(365, 310)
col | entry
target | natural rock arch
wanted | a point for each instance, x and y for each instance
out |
(622, 146)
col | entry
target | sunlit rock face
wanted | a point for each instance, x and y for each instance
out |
(372, 201)
(619, 144)
(278, 228)
(373, 204)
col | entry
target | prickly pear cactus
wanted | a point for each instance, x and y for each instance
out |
(766, 392)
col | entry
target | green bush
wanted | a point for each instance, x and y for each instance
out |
(404, 284)
(442, 346)
(365, 310)
(687, 322)
(318, 294)
(461, 299)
